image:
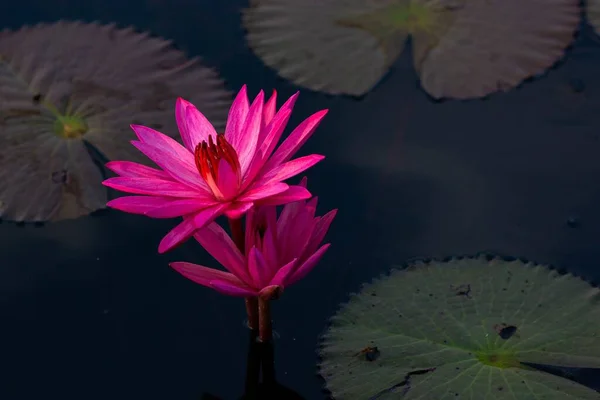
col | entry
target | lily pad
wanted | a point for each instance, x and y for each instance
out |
(461, 49)
(68, 92)
(495, 45)
(593, 14)
(467, 328)
(310, 43)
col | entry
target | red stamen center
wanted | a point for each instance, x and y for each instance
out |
(208, 155)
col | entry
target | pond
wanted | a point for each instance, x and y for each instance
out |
(91, 310)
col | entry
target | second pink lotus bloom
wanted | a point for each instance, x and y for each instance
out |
(279, 251)
(212, 174)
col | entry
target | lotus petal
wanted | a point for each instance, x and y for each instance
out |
(71, 87)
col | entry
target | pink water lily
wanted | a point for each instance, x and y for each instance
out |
(215, 174)
(279, 251)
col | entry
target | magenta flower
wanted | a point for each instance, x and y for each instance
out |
(279, 251)
(215, 174)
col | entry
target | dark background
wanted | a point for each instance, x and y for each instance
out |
(89, 310)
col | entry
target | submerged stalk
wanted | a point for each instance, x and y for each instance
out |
(265, 329)
(252, 368)
(237, 233)
(252, 312)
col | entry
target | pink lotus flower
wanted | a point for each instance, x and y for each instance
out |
(279, 251)
(215, 174)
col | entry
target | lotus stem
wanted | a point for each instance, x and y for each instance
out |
(252, 312)
(237, 234)
(265, 327)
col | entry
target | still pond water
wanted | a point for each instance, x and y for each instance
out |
(90, 310)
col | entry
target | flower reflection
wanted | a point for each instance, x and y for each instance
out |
(261, 354)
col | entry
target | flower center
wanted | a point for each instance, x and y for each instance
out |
(209, 157)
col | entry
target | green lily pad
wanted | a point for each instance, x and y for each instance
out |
(593, 14)
(467, 328)
(71, 89)
(461, 49)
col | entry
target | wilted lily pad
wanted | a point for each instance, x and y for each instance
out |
(461, 49)
(69, 87)
(463, 329)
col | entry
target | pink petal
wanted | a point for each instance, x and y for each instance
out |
(268, 111)
(296, 139)
(178, 208)
(221, 247)
(248, 135)
(186, 229)
(269, 246)
(237, 210)
(303, 181)
(308, 265)
(258, 268)
(312, 203)
(287, 217)
(232, 290)
(209, 214)
(249, 231)
(228, 181)
(150, 186)
(294, 233)
(137, 204)
(164, 142)
(193, 126)
(198, 127)
(261, 192)
(321, 228)
(272, 134)
(203, 275)
(177, 236)
(180, 106)
(283, 274)
(292, 194)
(169, 145)
(284, 113)
(237, 115)
(291, 168)
(130, 169)
(173, 166)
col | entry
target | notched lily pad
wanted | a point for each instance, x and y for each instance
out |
(70, 85)
(461, 49)
(494, 45)
(318, 45)
(593, 14)
(467, 328)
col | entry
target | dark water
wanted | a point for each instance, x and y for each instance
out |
(91, 311)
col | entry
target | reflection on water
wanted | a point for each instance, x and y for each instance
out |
(261, 385)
